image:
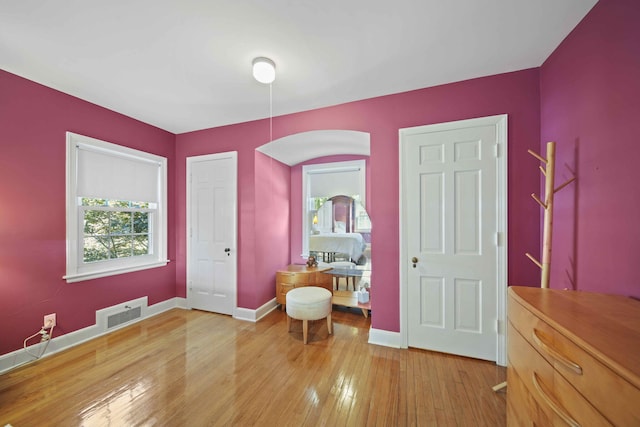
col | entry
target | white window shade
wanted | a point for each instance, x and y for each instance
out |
(334, 183)
(116, 176)
(102, 170)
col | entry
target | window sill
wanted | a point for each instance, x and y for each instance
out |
(79, 277)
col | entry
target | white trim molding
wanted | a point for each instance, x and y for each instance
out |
(385, 338)
(249, 315)
(57, 344)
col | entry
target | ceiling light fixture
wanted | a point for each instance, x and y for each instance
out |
(264, 70)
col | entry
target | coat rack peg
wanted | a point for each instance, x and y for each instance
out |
(537, 199)
(543, 170)
(565, 184)
(537, 156)
(535, 261)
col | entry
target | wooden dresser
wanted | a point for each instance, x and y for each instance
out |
(295, 276)
(573, 358)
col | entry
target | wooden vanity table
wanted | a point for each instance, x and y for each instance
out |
(295, 276)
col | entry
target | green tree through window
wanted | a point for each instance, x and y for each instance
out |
(115, 229)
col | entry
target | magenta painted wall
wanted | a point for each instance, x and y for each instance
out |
(243, 138)
(263, 207)
(296, 199)
(585, 97)
(273, 195)
(590, 105)
(516, 94)
(33, 122)
(35, 119)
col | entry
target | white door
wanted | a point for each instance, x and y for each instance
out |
(453, 218)
(211, 231)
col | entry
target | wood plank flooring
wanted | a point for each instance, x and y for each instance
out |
(191, 368)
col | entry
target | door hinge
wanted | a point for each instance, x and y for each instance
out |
(496, 150)
(498, 238)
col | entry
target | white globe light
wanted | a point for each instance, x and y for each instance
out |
(264, 70)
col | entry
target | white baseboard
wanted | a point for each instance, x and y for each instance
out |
(385, 338)
(20, 357)
(255, 315)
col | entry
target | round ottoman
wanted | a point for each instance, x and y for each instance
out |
(308, 303)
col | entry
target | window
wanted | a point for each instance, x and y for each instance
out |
(116, 209)
(115, 228)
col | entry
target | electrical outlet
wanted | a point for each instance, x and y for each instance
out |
(50, 320)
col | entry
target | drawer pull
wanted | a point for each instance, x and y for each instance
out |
(555, 354)
(555, 406)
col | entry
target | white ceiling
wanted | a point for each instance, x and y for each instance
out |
(185, 65)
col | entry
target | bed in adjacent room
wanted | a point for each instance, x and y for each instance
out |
(350, 244)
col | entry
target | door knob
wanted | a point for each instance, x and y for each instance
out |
(227, 250)
(414, 260)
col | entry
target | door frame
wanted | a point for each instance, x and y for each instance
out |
(233, 155)
(500, 123)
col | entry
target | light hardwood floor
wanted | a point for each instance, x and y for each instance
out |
(191, 368)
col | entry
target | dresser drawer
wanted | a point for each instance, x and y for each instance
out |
(522, 409)
(283, 288)
(587, 375)
(597, 383)
(555, 397)
(292, 277)
(281, 291)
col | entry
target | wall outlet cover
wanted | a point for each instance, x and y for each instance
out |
(50, 320)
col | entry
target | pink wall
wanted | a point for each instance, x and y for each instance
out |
(273, 193)
(296, 199)
(243, 138)
(33, 120)
(263, 207)
(590, 105)
(585, 97)
(516, 94)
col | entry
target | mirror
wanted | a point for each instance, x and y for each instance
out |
(340, 235)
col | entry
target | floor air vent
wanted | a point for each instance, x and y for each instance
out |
(122, 314)
(129, 314)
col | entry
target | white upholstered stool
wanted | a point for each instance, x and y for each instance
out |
(308, 303)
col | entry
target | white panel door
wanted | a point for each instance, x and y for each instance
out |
(451, 209)
(211, 213)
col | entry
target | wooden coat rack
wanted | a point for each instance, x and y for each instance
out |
(549, 173)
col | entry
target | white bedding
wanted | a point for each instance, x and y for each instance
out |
(351, 244)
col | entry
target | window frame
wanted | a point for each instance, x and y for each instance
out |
(76, 269)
